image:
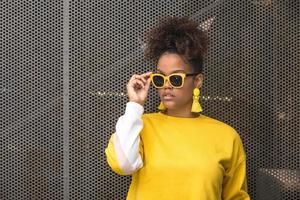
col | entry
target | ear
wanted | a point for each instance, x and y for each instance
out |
(198, 81)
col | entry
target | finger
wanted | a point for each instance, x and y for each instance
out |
(149, 72)
(132, 81)
(146, 74)
(133, 77)
(137, 82)
(140, 77)
(147, 85)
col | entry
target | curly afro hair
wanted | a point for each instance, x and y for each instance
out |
(179, 35)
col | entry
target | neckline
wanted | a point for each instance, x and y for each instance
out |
(179, 118)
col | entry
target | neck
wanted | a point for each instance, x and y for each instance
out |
(181, 112)
(187, 115)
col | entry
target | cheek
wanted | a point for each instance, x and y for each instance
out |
(189, 90)
(159, 91)
(186, 92)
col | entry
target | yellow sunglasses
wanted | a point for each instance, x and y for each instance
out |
(176, 80)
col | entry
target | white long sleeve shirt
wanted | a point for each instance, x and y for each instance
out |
(126, 139)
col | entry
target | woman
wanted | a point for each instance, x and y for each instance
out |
(177, 153)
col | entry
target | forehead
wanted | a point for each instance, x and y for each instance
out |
(171, 62)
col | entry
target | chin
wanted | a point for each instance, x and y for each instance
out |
(170, 104)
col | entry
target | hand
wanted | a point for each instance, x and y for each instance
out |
(138, 86)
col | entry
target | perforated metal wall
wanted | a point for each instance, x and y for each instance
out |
(31, 82)
(64, 69)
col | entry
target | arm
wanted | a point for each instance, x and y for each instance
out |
(235, 183)
(235, 178)
(125, 149)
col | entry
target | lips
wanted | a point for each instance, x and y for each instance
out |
(168, 96)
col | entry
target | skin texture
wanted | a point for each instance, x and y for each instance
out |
(182, 98)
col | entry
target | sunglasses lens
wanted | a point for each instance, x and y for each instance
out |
(158, 81)
(176, 80)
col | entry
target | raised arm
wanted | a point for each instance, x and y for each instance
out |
(125, 149)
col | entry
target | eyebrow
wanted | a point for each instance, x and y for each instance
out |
(179, 70)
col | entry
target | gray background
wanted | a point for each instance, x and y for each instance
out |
(64, 69)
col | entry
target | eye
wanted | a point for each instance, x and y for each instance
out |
(176, 80)
(158, 80)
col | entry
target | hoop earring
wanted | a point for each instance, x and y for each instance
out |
(196, 107)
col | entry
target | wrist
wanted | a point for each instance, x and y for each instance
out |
(134, 109)
(139, 102)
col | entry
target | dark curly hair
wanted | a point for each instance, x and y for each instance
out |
(179, 35)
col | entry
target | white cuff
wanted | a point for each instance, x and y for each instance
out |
(134, 109)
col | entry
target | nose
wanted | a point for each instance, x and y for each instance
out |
(167, 84)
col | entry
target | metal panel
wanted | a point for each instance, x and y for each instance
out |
(64, 69)
(31, 101)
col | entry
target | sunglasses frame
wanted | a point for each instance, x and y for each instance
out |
(167, 78)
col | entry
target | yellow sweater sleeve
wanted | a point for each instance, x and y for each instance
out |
(235, 184)
(111, 156)
(235, 179)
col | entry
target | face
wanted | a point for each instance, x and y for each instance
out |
(177, 98)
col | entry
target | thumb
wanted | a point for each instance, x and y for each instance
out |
(147, 83)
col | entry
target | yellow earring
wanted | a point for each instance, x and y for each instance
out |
(196, 107)
(161, 106)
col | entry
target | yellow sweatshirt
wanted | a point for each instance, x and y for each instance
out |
(175, 158)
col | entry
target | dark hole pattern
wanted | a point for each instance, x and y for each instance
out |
(252, 82)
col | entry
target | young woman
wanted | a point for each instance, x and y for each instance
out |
(176, 153)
